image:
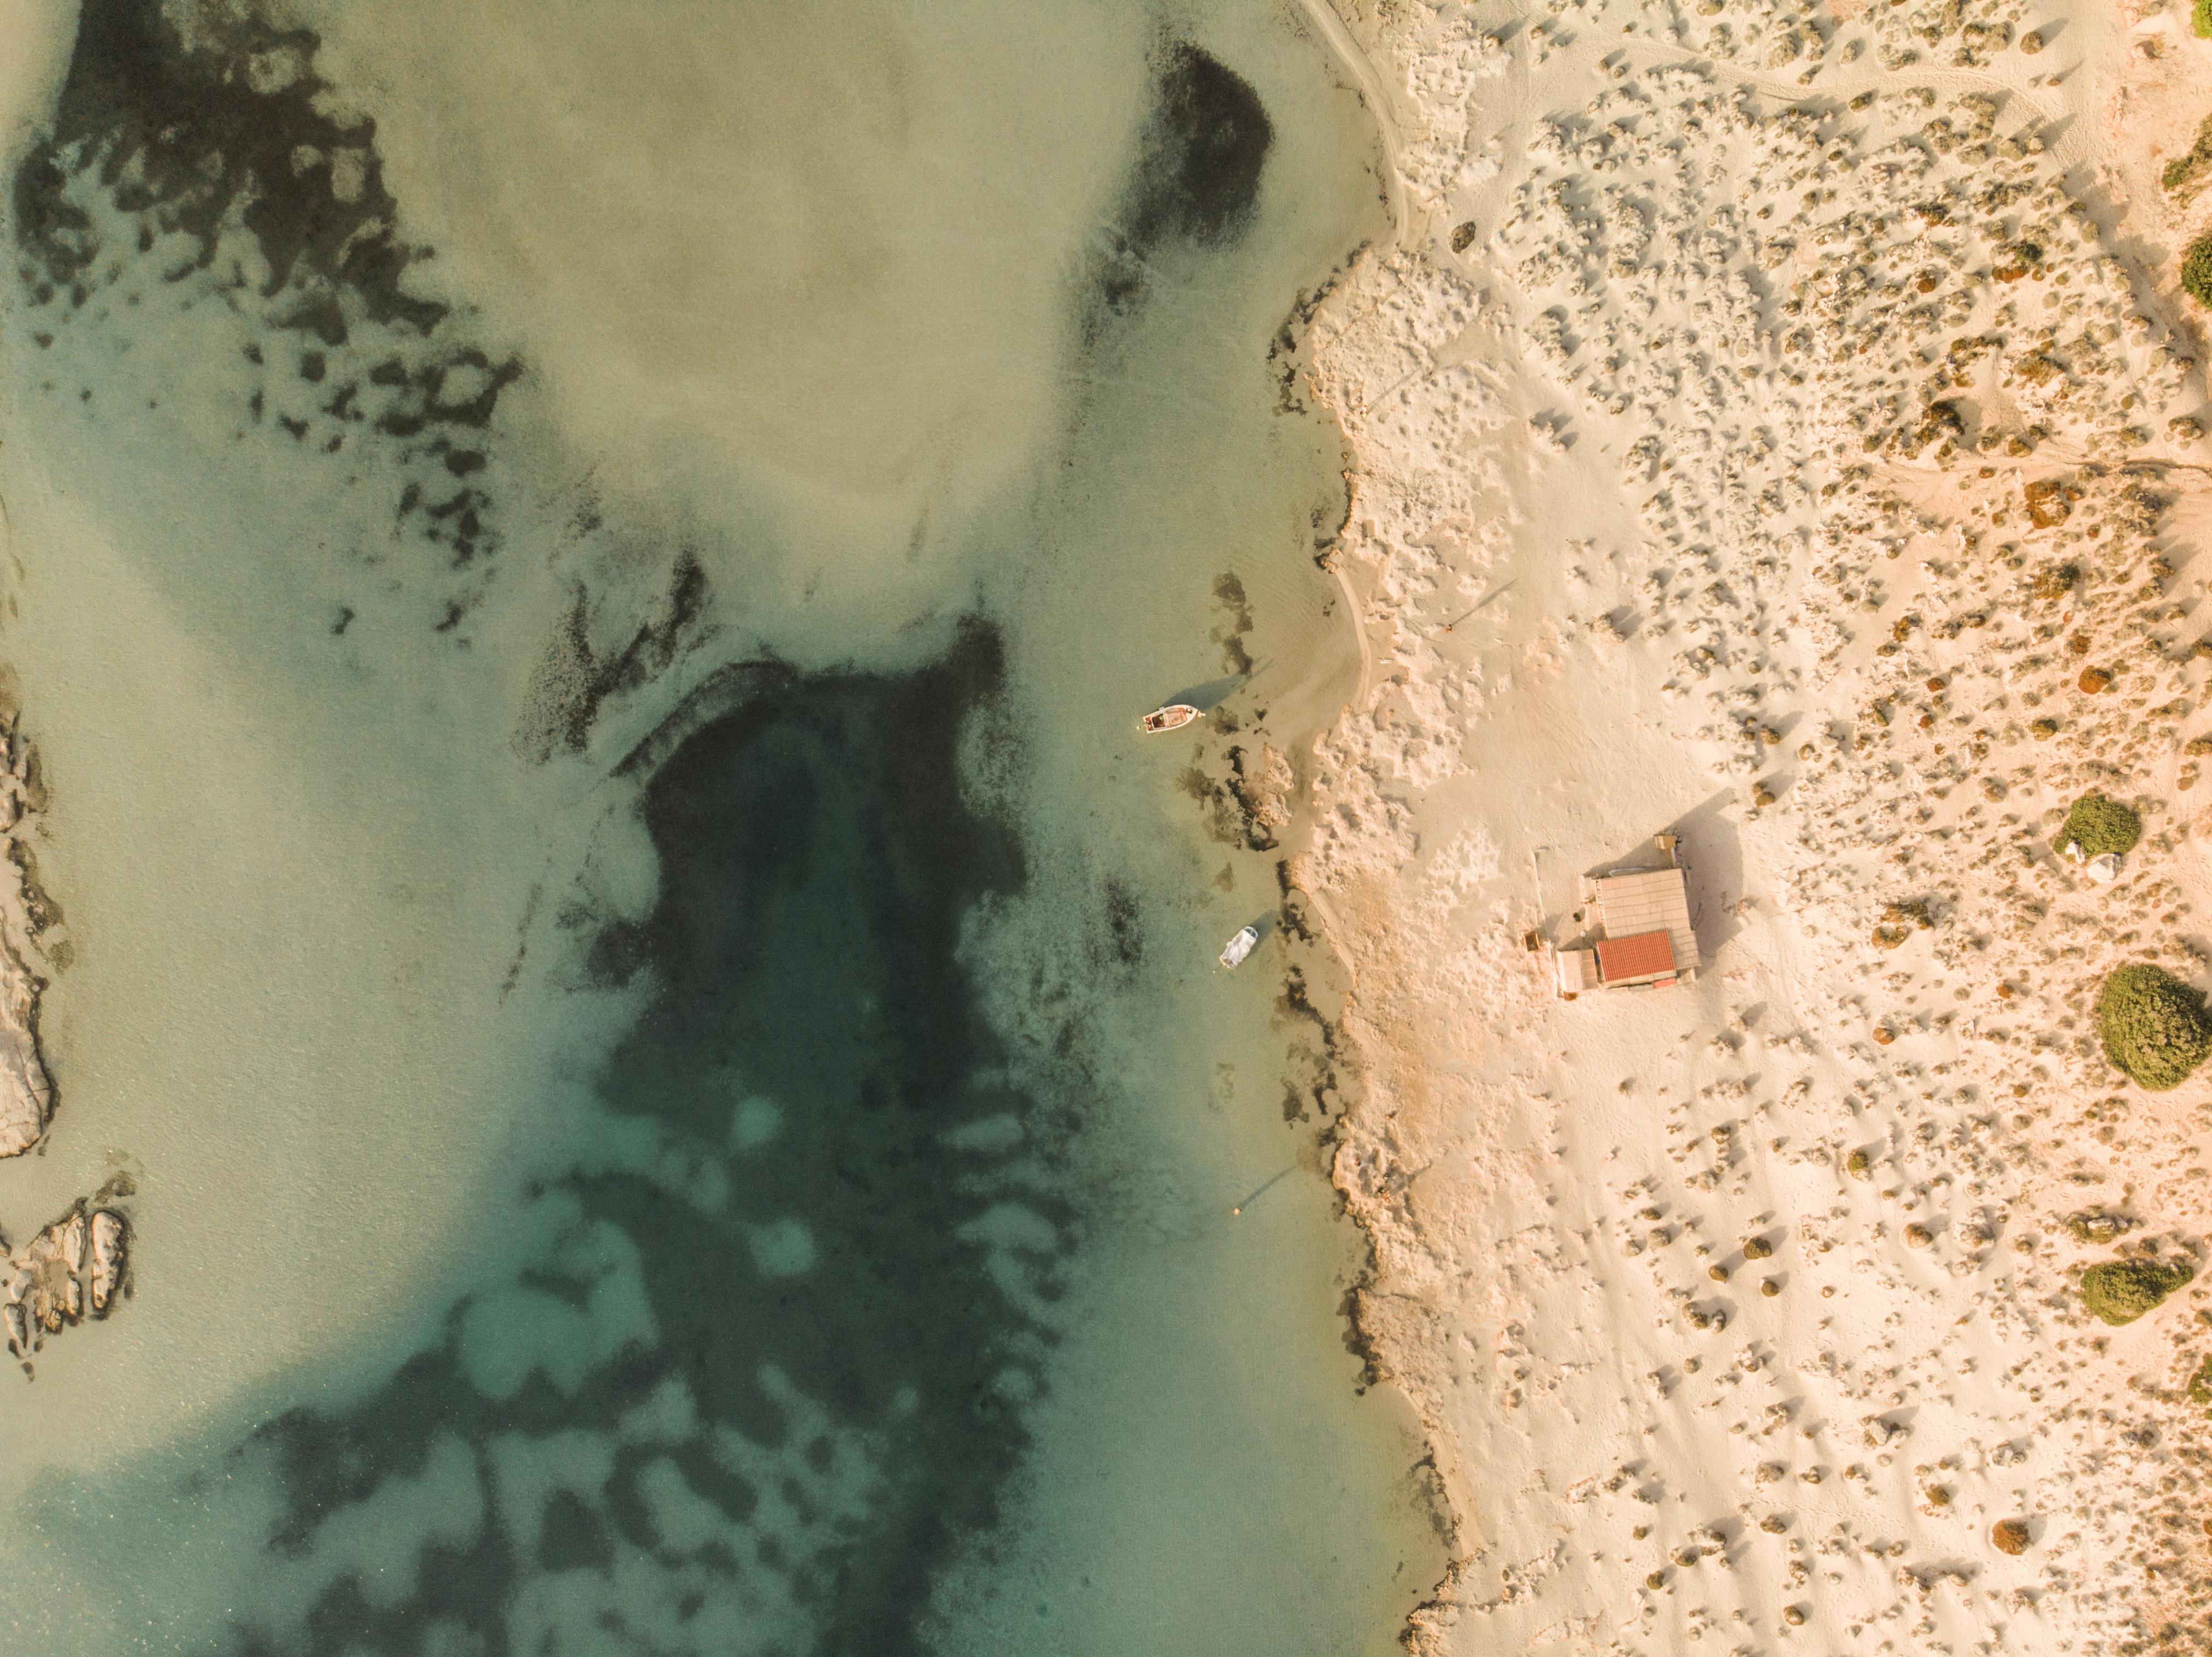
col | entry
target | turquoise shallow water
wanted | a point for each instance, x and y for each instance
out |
(581, 576)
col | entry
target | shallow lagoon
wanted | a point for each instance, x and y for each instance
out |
(586, 638)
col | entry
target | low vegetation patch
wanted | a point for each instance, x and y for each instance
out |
(1901, 921)
(2200, 1383)
(2197, 265)
(2056, 581)
(2185, 175)
(2099, 825)
(2049, 501)
(2097, 1229)
(2200, 21)
(2154, 1027)
(2121, 1291)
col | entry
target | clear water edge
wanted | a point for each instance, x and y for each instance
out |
(1197, 1462)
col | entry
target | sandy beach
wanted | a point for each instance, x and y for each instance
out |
(1784, 431)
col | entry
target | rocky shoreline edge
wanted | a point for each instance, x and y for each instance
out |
(77, 1266)
(26, 913)
(71, 1269)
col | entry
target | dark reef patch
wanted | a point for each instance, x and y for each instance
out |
(204, 163)
(574, 676)
(1124, 927)
(180, 135)
(817, 859)
(1197, 177)
(1236, 623)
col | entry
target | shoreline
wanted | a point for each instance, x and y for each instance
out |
(1784, 519)
(1224, 1359)
(76, 1267)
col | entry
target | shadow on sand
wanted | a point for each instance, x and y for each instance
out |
(1710, 849)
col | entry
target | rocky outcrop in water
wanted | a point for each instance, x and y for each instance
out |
(72, 1268)
(27, 1096)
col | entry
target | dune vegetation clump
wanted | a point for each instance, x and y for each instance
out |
(2056, 581)
(2154, 1027)
(2200, 1383)
(2121, 1291)
(2096, 1229)
(2196, 266)
(2099, 825)
(2186, 175)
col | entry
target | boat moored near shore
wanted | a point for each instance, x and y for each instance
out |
(1239, 946)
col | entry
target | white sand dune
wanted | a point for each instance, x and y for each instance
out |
(1763, 420)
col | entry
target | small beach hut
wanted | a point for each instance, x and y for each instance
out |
(1645, 915)
(1642, 934)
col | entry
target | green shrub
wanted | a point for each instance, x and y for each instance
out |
(2121, 1291)
(2196, 266)
(2099, 825)
(2185, 175)
(2202, 19)
(2200, 1383)
(2154, 1027)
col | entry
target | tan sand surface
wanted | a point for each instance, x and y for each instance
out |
(1763, 420)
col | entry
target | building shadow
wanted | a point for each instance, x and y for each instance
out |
(1710, 849)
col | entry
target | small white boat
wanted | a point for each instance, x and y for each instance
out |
(1173, 717)
(1240, 946)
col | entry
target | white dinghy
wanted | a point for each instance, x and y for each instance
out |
(1239, 946)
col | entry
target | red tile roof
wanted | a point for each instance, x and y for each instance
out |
(1644, 955)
